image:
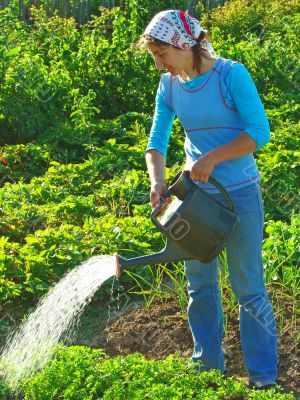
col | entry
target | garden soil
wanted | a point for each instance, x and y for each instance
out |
(163, 329)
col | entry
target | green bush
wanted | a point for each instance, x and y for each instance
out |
(5, 392)
(22, 162)
(56, 79)
(79, 373)
(240, 16)
(282, 253)
(279, 165)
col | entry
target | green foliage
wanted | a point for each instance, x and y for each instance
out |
(261, 35)
(75, 369)
(63, 77)
(85, 374)
(43, 239)
(238, 17)
(5, 393)
(158, 287)
(280, 168)
(56, 221)
(59, 81)
(282, 253)
(22, 162)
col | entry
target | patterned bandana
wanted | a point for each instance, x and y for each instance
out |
(176, 28)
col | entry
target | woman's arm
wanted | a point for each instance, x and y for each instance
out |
(203, 167)
(156, 149)
(163, 119)
(156, 164)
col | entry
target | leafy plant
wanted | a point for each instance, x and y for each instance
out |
(85, 374)
(23, 162)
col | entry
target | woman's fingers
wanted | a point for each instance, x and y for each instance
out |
(156, 192)
(155, 199)
(199, 177)
(202, 168)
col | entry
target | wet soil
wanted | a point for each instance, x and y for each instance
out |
(163, 329)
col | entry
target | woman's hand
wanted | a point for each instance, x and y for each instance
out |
(203, 167)
(157, 190)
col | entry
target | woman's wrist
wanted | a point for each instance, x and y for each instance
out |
(157, 182)
(215, 156)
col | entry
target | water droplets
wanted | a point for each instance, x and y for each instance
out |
(31, 345)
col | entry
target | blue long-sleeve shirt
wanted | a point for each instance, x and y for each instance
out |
(205, 107)
(242, 94)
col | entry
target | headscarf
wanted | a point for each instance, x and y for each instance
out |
(177, 28)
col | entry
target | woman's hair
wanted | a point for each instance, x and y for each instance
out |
(198, 49)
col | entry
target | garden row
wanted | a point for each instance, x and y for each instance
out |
(81, 373)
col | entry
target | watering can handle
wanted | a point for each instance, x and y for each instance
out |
(157, 210)
(223, 191)
(214, 182)
(211, 180)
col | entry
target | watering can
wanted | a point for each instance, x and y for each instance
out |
(196, 225)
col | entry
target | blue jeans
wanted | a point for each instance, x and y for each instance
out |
(205, 316)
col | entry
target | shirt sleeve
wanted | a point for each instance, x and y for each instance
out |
(248, 104)
(163, 119)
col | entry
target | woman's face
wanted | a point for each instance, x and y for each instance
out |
(172, 59)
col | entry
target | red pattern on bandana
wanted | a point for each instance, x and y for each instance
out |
(167, 21)
(185, 24)
(175, 39)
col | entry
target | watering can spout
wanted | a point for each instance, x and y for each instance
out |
(170, 253)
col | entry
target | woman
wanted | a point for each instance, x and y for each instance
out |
(218, 105)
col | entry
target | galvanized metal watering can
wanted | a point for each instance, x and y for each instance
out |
(196, 226)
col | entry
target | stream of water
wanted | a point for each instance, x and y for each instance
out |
(29, 347)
